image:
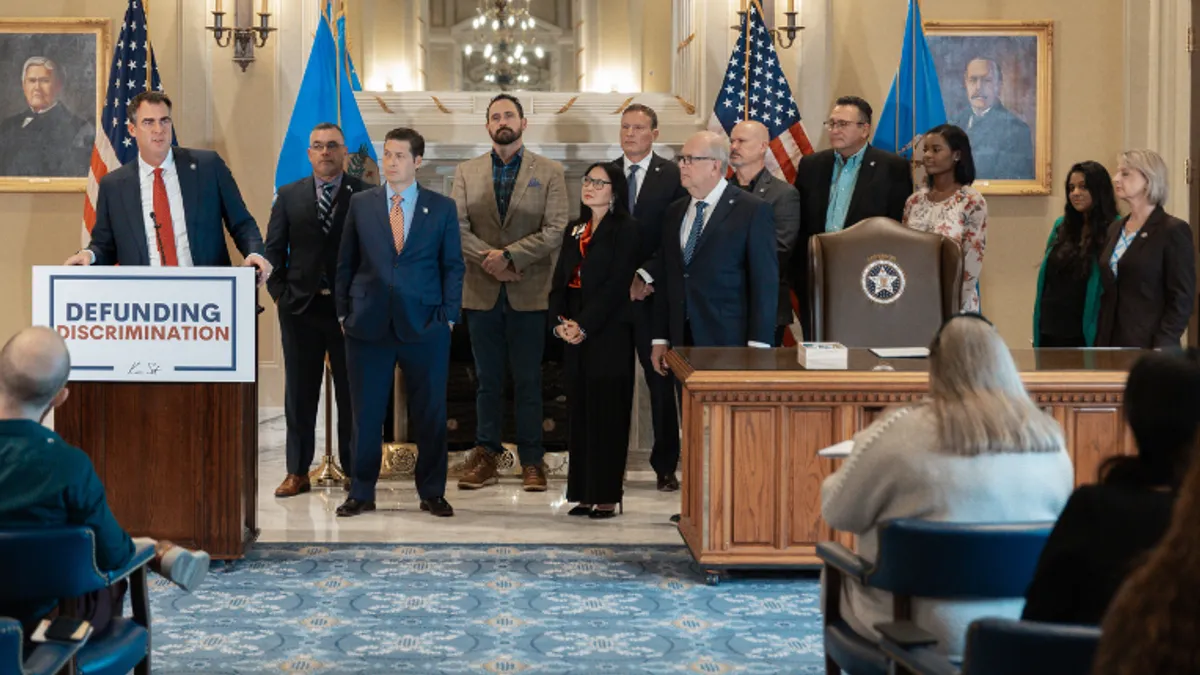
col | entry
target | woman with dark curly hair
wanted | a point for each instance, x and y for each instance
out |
(1067, 305)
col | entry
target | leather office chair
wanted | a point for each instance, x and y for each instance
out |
(924, 559)
(52, 563)
(1003, 646)
(880, 284)
(47, 658)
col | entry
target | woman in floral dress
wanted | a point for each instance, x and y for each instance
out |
(949, 206)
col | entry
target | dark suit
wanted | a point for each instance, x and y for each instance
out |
(1000, 143)
(727, 295)
(211, 204)
(785, 201)
(396, 308)
(1149, 301)
(54, 143)
(884, 183)
(304, 258)
(659, 187)
(598, 373)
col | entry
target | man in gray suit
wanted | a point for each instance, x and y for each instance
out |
(748, 144)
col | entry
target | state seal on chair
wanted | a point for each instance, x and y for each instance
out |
(883, 280)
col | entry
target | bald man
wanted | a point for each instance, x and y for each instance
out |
(748, 145)
(721, 273)
(44, 482)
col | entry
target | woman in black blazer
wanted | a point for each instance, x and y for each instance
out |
(1147, 266)
(590, 311)
(1106, 530)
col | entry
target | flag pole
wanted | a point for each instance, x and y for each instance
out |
(746, 45)
(337, 78)
(149, 49)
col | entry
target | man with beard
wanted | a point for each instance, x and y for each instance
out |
(512, 210)
(748, 143)
(1000, 141)
(45, 139)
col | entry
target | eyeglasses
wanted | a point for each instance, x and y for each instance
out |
(588, 181)
(937, 339)
(840, 124)
(688, 160)
(332, 146)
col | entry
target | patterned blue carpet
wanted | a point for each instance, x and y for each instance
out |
(471, 609)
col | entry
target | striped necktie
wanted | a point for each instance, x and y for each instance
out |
(325, 207)
(689, 249)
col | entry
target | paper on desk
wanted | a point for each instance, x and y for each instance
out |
(837, 450)
(901, 352)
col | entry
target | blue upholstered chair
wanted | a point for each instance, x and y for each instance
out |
(1003, 646)
(38, 564)
(46, 659)
(924, 559)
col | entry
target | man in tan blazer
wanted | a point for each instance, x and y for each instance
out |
(512, 210)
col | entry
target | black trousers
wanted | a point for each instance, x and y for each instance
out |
(599, 374)
(307, 338)
(664, 457)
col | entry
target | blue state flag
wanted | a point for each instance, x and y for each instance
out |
(322, 100)
(914, 103)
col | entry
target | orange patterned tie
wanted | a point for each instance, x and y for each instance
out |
(397, 219)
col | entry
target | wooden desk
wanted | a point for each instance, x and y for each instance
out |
(753, 421)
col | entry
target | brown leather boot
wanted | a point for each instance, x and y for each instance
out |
(480, 470)
(533, 478)
(292, 486)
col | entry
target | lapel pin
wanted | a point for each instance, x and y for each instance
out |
(1144, 235)
(730, 201)
(871, 164)
(424, 209)
(657, 169)
(193, 166)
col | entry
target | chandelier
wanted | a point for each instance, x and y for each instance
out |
(505, 43)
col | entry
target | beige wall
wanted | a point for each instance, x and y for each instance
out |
(1087, 122)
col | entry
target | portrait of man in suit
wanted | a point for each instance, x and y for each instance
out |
(45, 137)
(1000, 140)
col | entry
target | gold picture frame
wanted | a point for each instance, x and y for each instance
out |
(58, 148)
(1003, 70)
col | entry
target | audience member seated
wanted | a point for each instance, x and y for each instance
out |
(46, 483)
(1106, 530)
(1151, 625)
(978, 450)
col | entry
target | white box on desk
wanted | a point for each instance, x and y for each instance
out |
(823, 355)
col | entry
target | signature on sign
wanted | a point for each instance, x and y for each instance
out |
(148, 368)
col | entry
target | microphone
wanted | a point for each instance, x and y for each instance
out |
(162, 258)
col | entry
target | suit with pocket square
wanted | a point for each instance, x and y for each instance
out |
(398, 307)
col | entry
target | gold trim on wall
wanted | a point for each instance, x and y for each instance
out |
(1044, 32)
(101, 27)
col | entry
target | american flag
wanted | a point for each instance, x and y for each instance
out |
(127, 78)
(762, 94)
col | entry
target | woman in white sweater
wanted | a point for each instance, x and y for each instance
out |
(977, 450)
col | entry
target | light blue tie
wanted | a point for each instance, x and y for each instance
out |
(633, 186)
(689, 249)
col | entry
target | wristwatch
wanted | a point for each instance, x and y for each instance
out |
(507, 255)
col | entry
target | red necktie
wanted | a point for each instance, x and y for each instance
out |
(162, 214)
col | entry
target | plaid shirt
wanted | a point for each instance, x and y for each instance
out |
(504, 177)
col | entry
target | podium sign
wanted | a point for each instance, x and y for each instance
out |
(151, 324)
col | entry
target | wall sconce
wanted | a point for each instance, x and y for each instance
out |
(776, 33)
(244, 35)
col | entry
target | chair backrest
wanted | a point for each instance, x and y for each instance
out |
(880, 284)
(59, 562)
(926, 559)
(1003, 646)
(10, 647)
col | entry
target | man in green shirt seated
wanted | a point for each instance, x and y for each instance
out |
(44, 482)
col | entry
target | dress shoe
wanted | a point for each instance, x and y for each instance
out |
(438, 506)
(667, 482)
(293, 485)
(533, 478)
(581, 510)
(353, 507)
(480, 470)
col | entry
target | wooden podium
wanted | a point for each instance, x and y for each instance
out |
(753, 421)
(178, 457)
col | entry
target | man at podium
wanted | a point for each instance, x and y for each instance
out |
(183, 199)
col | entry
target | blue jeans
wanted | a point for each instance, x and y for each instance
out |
(502, 337)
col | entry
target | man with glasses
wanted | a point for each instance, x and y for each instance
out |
(653, 186)
(303, 236)
(841, 186)
(720, 279)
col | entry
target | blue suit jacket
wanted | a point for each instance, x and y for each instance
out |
(211, 205)
(419, 290)
(730, 290)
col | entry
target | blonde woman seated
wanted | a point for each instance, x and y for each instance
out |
(978, 450)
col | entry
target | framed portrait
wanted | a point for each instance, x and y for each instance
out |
(995, 81)
(52, 78)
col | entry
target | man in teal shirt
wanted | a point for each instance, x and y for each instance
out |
(44, 482)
